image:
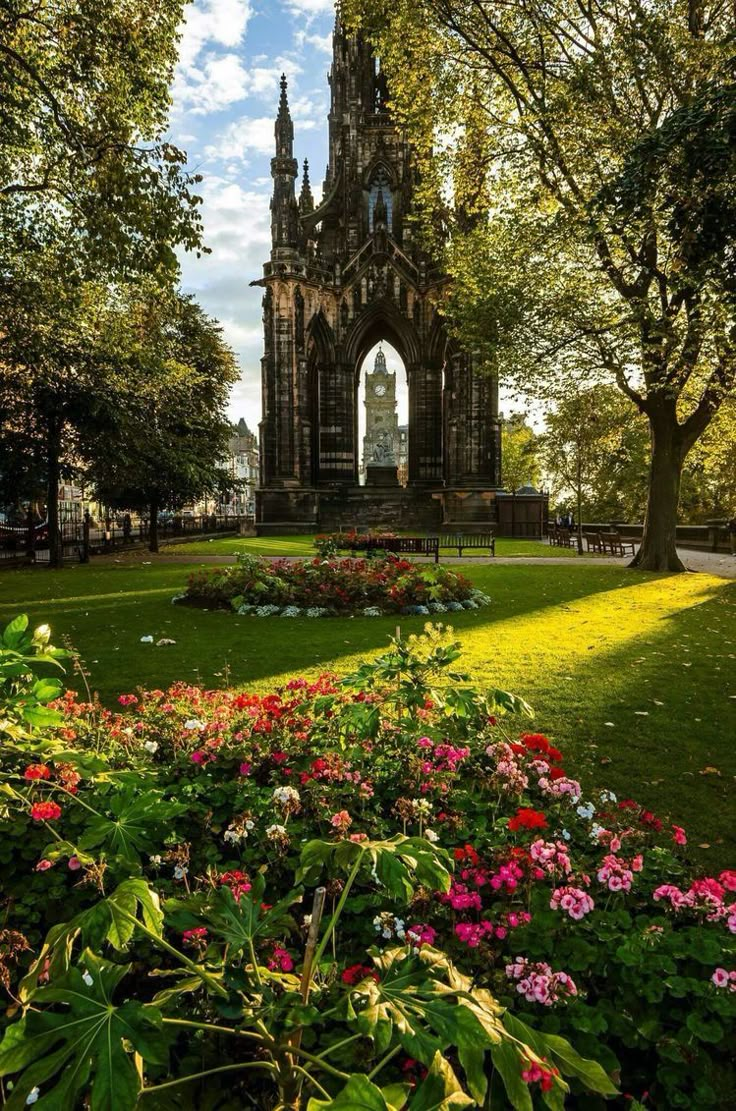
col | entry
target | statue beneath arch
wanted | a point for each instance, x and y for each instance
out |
(343, 276)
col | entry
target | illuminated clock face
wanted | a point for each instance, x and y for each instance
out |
(380, 390)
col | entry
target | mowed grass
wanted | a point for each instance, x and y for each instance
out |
(633, 675)
(304, 546)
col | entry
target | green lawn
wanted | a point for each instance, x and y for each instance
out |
(634, 675)
(304, 546)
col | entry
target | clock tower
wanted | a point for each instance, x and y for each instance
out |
(381, 442)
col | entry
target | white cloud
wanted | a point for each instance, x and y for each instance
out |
(321, 43)
(242, 137)
(218, 21)
(213, 85)
(311, 8)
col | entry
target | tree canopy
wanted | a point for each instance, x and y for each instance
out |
(579, 159)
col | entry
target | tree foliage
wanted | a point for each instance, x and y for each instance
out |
(591, 218)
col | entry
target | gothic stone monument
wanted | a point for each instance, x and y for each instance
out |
(342, 277)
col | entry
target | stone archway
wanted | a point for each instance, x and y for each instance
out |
(341, 277)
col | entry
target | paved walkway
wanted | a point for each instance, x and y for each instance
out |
(711, 563)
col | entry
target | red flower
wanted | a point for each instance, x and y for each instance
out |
(37, 771)
(467, 855)
(357, 973)
(556, 773)
(45, 811)
(525, 818)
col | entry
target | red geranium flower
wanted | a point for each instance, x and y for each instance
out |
(45, 811)
(357, 973)
(526, 818)
(37, 771)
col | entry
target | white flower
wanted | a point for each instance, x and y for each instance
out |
(180, 872)
(608, 796)
(422, 807)
(151, 746)
(596, 831)
(284, 796)
(86, 976)
(565, 835)
(155, 860)
(232, 835)
(586, 811)
(32, 1096)
(249, 825)
(431, 835)
(274, 832)
(144, 640)
(194, 723)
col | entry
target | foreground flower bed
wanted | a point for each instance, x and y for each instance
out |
(330, 587)
(383, 892)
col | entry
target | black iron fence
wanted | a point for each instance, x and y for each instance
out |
(81, 539)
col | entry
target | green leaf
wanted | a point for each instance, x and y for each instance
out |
(137, 822)
(440, 1089)
(106, 921)
(75, 1041)
(240, 921)
(396, 1095)
(705, 1030)
(14, 633)
(359, 1094)
(590, 1073)
(46, 690)
(507, 1059)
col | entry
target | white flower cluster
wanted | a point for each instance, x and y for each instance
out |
(238, 832)
(388, 926)
(277, 833)
(286, 796)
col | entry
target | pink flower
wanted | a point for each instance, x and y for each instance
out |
(721, 978)
(280, 960)
(538, 983)
(190, 937)
(341, 821)
(679, 836)
(198, 757)
(128, 700)
(74, 864)
(573, 900)
(44, 865)
(245, 769)
(45, 811)
(421, 934)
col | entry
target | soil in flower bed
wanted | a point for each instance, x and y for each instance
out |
(333, 588)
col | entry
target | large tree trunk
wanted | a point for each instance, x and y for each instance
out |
(658, 551)
(53, 475)
(153, 525)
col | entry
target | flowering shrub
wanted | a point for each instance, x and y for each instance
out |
(368, 891)
(332, 587)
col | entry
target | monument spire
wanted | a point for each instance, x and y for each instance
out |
(306, 200)
(284, 170)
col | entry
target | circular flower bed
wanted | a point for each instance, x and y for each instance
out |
(383, 892)
(333, 588)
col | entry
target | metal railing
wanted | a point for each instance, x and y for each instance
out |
(81, 539)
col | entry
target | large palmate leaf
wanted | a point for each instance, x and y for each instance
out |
(240, 921)
(425, 1014)
(359, 1094)
(111, 920)
(561, 1054)
(440, 1090)
(82, 1043)
(136, 825)
(401, 864)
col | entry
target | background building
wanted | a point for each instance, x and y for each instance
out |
(243, 466)
(381, 442)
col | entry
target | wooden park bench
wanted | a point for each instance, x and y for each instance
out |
(404, 545)
(470, 542)
(615, 545)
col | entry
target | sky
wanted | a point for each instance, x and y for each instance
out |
(225, 99)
